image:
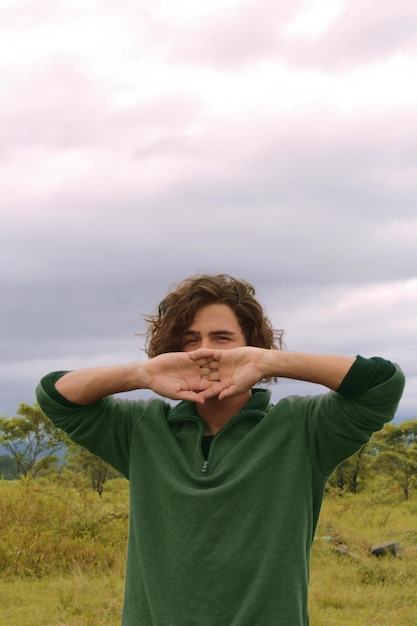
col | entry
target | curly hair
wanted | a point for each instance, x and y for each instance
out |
(177, 311)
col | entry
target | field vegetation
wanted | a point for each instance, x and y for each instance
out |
(64, 531)
(62, 551)
(62, 554)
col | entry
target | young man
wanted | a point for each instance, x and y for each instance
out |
(225, 489)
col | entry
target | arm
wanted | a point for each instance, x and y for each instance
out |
(202, 374)
(323, 369)
(241, 368)
(178, 375)
(86, 386)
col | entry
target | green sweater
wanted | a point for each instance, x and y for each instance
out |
(224, 542)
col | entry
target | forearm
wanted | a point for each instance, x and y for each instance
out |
(175, 375)
(327, 370)
(90, 385)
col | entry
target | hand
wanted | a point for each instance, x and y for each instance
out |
(232, 372)
(182, 375)
(240, 369)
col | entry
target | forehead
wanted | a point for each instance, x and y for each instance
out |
(215, 317)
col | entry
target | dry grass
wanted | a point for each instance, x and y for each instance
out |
(62, 554)
(363, 590)
(61, 526)
(75, 600)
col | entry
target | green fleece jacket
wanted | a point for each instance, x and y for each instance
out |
(224, 542)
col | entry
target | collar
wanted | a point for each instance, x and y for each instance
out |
(257, 405)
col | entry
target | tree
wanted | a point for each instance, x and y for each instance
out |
(97, 470)
(8, 469)
(396, 448)
(31, 440)
(352, 472)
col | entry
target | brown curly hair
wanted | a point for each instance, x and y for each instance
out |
(177, 311)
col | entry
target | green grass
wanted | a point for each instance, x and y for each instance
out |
(62, 556)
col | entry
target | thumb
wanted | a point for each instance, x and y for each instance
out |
(229, 392)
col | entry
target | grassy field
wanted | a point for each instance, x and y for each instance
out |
(62, 551)
(363, 590)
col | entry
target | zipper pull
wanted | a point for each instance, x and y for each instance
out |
(205, 467)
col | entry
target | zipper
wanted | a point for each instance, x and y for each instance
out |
(205, 465)
(204, 468)
(206, 462)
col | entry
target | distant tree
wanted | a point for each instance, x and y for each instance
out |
(31, 440)
(396, 447)
(351, 473)
(97, 470)
(8, 468)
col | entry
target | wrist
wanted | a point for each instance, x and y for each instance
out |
(271, 364)
(138, 376)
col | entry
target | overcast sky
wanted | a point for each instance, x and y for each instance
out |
(144, 142)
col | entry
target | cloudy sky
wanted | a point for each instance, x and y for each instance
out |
(144, 142)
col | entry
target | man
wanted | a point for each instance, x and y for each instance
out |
(225, 489)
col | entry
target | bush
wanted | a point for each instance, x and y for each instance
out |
(55, 526)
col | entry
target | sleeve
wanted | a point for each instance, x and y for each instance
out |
(365, 374)
(48, 384)
(104, 428)
(337, 425)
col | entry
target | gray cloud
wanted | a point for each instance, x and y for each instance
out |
(106, 202)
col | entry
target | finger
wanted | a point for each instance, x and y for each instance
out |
(212, 390)
(213, 377)
(209, 374)
(204, 384)
(191, 396)
(204, 353)
(213, 365)
(229, 392)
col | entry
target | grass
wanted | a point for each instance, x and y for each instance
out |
(61, 526)
(62, 556)
(363, 590)
(62, 552)
(73, 600)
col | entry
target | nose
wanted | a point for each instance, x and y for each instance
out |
(205, 342)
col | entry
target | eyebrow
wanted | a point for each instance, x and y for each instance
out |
(213, 332)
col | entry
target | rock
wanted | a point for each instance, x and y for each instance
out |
(388, 548)
(344, 551)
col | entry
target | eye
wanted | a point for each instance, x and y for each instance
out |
(190, 341)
